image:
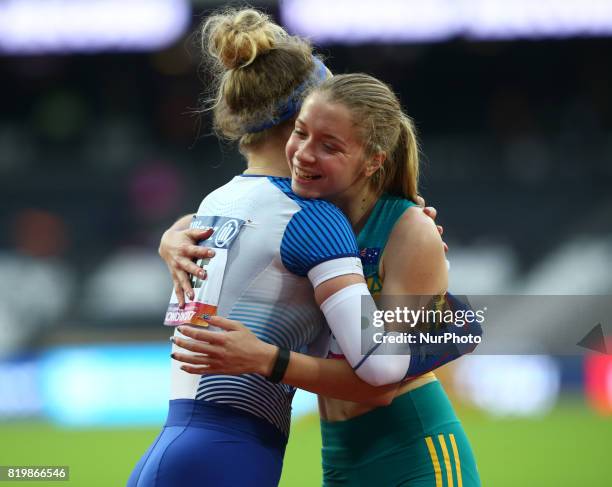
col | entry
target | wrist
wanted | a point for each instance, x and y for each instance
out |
(268, 359)
(279, 368)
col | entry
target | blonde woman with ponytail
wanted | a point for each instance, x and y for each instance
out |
(227, 431)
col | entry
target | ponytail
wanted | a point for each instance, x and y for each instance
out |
(405, 158)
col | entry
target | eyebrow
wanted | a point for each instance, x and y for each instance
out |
(326, 135)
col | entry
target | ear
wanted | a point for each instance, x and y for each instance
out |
(375, 163)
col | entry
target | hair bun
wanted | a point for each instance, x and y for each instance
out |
(236, 38)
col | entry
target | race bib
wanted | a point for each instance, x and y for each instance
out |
(207, 291)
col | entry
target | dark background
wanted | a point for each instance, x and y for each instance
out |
(100, 153)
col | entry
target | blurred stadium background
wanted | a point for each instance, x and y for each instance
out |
(100, 152)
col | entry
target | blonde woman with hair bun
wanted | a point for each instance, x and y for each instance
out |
(232, 431)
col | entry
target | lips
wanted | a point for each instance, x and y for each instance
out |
(305, 175)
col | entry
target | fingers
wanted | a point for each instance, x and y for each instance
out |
(226, 324)
(431, 212)
(190, 267)
(197, 370)
(178, 291)
(197, 234)
(184, 283)
(189, 358)
(194, 252)
(212, 337)
(196, 346)
(419, 200)
(195, 364)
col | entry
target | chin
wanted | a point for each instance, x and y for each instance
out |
(303, 192)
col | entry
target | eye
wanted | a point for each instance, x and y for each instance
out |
(299, 132)
(330, 148)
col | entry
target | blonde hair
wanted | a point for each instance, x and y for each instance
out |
(255, 66)
(383, 127)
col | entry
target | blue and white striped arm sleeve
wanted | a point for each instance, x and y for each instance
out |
(316, 234)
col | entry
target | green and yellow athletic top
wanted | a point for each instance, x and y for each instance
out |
(374, 236)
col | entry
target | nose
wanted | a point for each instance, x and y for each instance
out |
(304, 154)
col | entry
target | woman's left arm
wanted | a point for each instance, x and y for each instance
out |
(414, 260)
(239, 351)
(414, 264)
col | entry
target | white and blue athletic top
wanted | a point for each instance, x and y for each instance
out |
(281, 238)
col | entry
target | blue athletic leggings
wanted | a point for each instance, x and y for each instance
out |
(207, 444)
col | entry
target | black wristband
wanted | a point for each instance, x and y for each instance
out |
(280, 366)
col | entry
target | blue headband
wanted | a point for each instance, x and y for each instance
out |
(293, 104)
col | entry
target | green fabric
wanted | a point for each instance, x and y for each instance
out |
(391, 446)
(385, 214)
(374, 236)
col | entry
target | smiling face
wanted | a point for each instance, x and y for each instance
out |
(325, 153)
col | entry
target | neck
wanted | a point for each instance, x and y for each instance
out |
(268, 158)
(357, 203)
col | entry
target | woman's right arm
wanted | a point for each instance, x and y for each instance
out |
(179, 250)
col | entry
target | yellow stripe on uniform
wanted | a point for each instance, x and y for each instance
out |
(434, 460)
(457, 461)
(447, 464)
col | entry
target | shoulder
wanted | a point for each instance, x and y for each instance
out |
(309, 206)
(319, 214)
(316, 233)
(415, 228)
(284, 184)
(324, 215)
(414, 259)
